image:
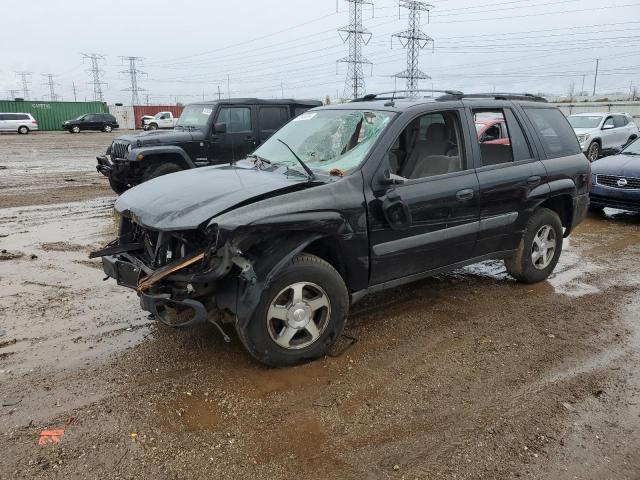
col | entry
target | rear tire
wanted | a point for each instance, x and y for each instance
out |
(160, 169)
(307, 289)
(118, 187)
(539, 248)
(23, 130)
(593, 152)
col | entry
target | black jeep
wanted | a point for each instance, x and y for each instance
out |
(346, 200)
(206, 134)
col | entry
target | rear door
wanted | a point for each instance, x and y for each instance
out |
(240, 138)
(621, 129)
(510, 175)
(270, 119)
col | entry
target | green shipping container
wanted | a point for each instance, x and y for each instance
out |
(51, 115)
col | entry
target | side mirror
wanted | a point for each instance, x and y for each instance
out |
(389, 178)
(220, 128)
(607, 127)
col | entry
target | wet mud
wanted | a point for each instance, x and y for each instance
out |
(468, 375)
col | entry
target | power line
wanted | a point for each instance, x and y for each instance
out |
(133, 73)
(414, 40)
(24, 78)
(357, 36)
(96, 72)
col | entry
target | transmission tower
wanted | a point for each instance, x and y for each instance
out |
(14, 93)
(96, 72)
(133, 73)
(24, 77)
(52, 86)
(356, 36)
(413, 39)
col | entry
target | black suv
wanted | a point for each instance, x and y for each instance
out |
(206, 134)
(346, 200)
(104, 122)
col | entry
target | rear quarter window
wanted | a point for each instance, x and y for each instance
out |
(557, 137)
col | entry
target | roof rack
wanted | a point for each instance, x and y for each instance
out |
(527, 97)
(393, 95)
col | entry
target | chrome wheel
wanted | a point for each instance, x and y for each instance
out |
(594, 152)
(298, 315)
(544, 247)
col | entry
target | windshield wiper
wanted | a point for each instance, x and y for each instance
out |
(312, 175)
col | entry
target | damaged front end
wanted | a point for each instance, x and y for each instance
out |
(175, 273)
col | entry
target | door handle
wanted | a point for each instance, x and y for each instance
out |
(464, 195)
(534, 180)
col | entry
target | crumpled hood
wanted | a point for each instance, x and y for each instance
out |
(160, 137)
(184, 200)
(621, 165)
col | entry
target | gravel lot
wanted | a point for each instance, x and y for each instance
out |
(467, 375)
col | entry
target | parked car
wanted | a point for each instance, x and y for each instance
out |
(492, 130)
(616, 180)
(160, 120)
(104, 122)
(347, 200)
(22, 123)
(603, 133)
(207, 133)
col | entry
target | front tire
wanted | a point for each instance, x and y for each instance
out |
(107, 129)
(75, 129)
(299, 316)
(23, 130)
(539, 249)
(593, 152)
(160, 169)
(153, 126)
(118, 187)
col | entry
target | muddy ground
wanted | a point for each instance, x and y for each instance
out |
(467, 375)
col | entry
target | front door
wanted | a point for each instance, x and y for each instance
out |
(239, 139)
(423, 211)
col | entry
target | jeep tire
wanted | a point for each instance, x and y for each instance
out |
(300, 314)
(118, 187)
(539, 249)
(160, 169)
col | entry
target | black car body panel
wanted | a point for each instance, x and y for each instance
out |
(91, 121)
(247, 221)
(616, 181)
(192, 147)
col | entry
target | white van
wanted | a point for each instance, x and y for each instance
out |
(17, 122)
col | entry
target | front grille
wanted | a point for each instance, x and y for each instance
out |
(119, 149)
(632, 183)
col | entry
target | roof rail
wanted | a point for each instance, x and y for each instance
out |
(393, 95)
(527, 97)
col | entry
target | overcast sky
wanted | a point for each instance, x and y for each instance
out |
(272, 47)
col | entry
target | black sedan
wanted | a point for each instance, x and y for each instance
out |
(616, 180)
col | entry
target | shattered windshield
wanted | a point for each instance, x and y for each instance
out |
(326, 140)
(195, 116)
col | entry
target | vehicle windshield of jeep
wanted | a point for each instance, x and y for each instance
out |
(584, 121)
(326, 140)
(195, 116)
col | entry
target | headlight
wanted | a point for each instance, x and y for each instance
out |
(582, 138)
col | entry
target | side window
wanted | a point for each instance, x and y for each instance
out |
(164, 116)
(272, 118)
(3, 117)
(619, 121)
(238, 119)
(89, 118)
(430, 145)
(557, 137)
(500, 137)
(608, 122)
(22, 117)
(299, 111)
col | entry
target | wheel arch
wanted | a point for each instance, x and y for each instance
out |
(562, 205)
(156, 155)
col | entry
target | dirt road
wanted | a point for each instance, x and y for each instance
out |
(467, 375)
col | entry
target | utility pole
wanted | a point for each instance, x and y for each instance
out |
(75, 96)
(219, 95)
(228, 87)
(595, 79)
(96, 72)
(133, 73)
(51, 84)
(356, 36)
(582, 89)
(281, 90)
(413, 39)
(147, 98)
(24, 77)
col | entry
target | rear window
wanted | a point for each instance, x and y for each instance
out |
(557, 136)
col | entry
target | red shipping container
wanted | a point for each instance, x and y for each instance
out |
(140, 111)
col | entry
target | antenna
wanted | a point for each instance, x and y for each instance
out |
(133, 73)
(413, 39)
(96, 72)
(24, 77)
(356, 36)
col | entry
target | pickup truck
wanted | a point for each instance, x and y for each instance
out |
(158, 121)
(347, 200)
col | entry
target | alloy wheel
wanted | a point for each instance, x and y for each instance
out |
(544, 247)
